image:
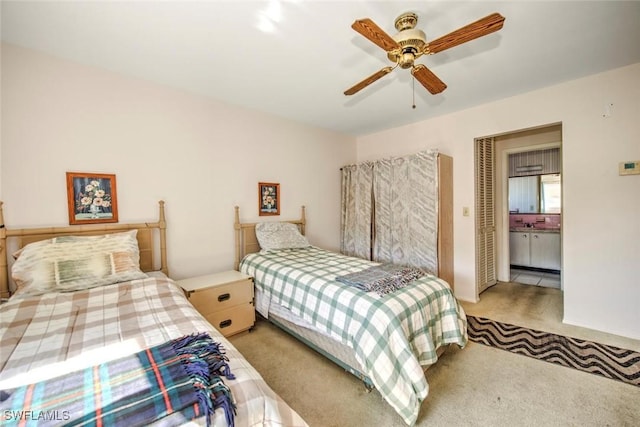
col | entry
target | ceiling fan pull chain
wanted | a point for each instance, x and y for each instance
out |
(413, 84)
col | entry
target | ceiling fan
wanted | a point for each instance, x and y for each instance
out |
(410, 43)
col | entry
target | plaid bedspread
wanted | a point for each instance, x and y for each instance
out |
(393, 336)
(51, 335)
(184, 375)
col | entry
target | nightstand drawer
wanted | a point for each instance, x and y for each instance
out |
(234, 319)
(225, 299)
(223, 296)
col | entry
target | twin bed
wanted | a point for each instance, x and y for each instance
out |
(387, 339)
(52, 335)
(58, 330)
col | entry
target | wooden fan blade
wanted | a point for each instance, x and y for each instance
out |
(481, 27)
(366, 82)
(429, 80)
(371, 31)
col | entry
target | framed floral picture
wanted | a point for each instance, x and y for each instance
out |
(268, 198)
(91, 198)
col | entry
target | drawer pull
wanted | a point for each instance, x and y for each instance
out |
(223, 297)
(225, 323)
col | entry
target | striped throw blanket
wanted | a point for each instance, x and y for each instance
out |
(182, 377)
(383, 279)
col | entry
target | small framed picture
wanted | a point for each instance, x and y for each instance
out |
(91, 198)
(268, 198)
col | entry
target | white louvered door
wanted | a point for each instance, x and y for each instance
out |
(485, 214)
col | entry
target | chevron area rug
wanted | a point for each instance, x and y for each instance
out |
(604, 360)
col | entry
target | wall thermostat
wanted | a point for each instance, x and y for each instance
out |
(630, 168)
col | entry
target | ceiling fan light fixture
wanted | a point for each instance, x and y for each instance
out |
(407, 58)
(412, 42)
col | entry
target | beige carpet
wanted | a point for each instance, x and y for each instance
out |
(475, 386)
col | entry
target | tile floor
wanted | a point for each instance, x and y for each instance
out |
(537, 278)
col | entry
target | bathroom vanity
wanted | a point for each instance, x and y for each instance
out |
(529, 247)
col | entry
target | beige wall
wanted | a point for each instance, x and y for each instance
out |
(200, 156)
(601, 230)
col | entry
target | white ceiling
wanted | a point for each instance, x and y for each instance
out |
(295, 58)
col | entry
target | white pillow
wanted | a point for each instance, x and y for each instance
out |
(280, 235)
(72, 263)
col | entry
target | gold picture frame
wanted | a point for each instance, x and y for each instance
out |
(268, 198)
(91, 198)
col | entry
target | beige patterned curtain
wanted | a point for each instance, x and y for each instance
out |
(399, 196)
(406, 210)
(355, 233)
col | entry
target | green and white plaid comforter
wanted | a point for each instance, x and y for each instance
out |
(393, 336)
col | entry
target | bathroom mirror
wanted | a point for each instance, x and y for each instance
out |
(535, 194)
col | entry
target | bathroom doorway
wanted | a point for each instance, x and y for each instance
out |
(525, 141)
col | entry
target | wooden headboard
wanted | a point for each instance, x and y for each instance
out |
(246, 240)
(146, 243)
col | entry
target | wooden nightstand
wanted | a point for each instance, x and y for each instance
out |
(225, 299)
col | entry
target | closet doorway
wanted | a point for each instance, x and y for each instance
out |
(492, 203)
